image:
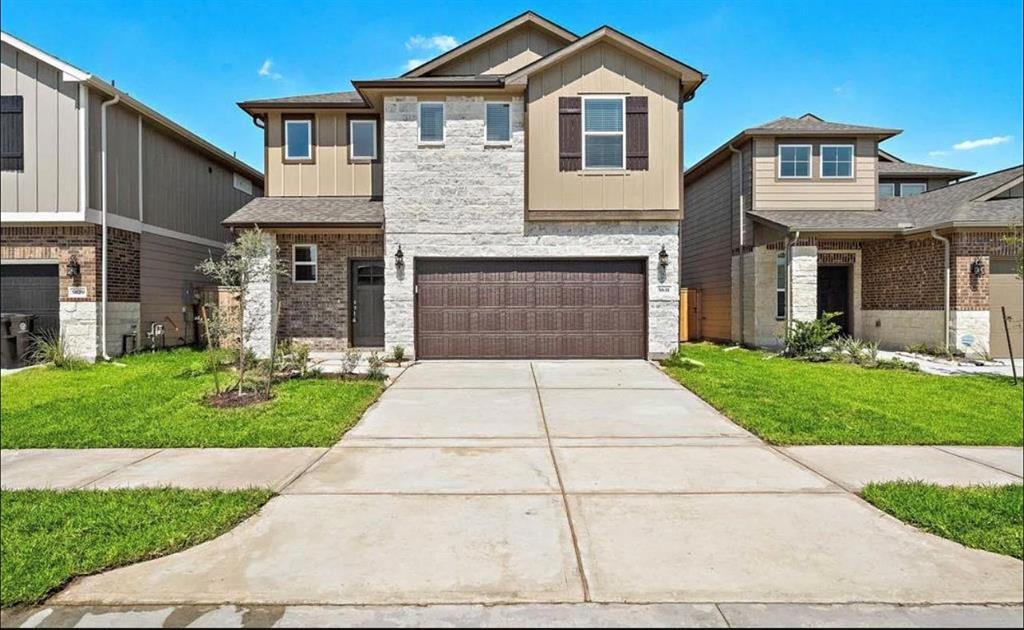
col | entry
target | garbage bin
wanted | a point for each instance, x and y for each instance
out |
(23, 327)
(8, 344)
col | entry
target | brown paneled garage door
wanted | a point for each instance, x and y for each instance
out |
(525, 308)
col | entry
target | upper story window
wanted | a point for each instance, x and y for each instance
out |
(794, 160)
(304, 263)
(780, 286)
(909, 190)
(363, 139)
(12, 133)
(498, 123)
(886, 189)
(604, 141)
(298, 139)
(837, 160)
(431, 123)
(241, 183)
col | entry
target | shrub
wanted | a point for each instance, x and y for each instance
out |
(376, 366)
(896, 363)
(51, 347)
(856, 351)
(807, 340)
(398, 353)
(293, 359)
(350, 362)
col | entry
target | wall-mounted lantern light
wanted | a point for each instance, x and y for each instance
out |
(663, 257)
(977, 268)
(399, 257)
(74, 270)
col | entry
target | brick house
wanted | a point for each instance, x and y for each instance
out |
(80, 154)
(801, 216)
(517, 196)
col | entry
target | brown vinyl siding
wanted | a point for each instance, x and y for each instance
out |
(48, 179)
(167, 276)
(815, 193)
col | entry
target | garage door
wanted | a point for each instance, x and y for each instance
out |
(470, 309)
(32, 289)
(1007, 290)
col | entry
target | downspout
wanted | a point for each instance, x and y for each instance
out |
(945, 304)
(103, 211)
(789, 276)
(742, 240)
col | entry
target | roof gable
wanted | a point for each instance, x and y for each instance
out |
(524, 22)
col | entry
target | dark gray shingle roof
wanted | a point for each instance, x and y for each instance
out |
(811, 124)
(308, 211)
(327, 98)
(908, 168)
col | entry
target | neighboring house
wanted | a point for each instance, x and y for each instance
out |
(164, 196)
(517, 196)
(808, 204)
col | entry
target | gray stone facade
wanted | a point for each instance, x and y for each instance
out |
(466, 199)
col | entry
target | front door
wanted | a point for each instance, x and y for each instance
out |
(367, 283)
(834, 295)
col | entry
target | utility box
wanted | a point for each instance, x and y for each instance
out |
(689, 315)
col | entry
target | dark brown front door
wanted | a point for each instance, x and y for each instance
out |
(367, 282)
(525, 308)
(834, 295)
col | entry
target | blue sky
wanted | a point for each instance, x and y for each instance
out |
(948, 73)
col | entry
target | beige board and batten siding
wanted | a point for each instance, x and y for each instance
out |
(504, 55)
(167, 275)
(814, 193)
(49, 180)
(185, 191)
(603, 69)
(331, 173)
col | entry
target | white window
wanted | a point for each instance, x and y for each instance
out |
(837, 160)
(604, 137)
(886, 189)
(431, 123)
(498, 122)
(304, 263)
(241, 183)
(298, 139)
(909, 190)
(780, 284)
(794, 161)
(362, 139)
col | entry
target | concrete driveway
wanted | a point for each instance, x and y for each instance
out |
(506, 482)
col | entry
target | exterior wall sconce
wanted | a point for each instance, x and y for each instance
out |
(399, 257)
(74, 270)
(663, 258)
(977, 268)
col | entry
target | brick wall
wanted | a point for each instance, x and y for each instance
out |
(123, 266)
(972, 293)
(318, 313)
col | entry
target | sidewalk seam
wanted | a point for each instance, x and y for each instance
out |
(943, 449)
(118, 469)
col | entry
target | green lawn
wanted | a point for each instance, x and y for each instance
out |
(48, 537)
(154, 401)
(787, 401)
(989, 518)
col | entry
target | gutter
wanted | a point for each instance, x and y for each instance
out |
(103, 187)
(946, 305)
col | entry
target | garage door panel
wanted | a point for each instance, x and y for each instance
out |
(32, 289)
(530, 308)
(1006, 291)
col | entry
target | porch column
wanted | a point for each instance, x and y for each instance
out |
(804, 283)
(261, 302)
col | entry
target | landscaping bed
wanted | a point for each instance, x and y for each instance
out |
(158, 400)
(983, 517)
(47, 537)
(792, 402)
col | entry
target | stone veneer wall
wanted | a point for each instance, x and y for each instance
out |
(317, 313)
(465, 199)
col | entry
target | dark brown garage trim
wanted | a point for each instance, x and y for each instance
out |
(527, 308)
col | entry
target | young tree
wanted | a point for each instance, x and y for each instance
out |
(1016, 239)
(247, 261)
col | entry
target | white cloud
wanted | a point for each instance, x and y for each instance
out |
(412, 63)
(438, 43)
(938, 153)
(970, 145)
(266, 70)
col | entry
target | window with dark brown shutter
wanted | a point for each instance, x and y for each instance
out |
(12, 134)
(570, 134)
(636, 133)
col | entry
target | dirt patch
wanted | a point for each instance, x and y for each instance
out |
(232, 398)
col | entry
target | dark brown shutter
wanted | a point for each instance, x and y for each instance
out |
(12, 134)
(636, 133)
(570, 133)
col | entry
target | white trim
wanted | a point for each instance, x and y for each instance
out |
(902, 184)
(83, 147)
(29, 261)
(880, 195)
(444, 122)
(309, 145)
(69, 72)
(140, 169)
(314, 263)
(810, 161)
(853, 161)
(584, 133)
(351, 143)
(92, 216)
(498, 143)
(18, 218)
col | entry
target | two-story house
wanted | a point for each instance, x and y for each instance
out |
(107, 207)
(517, 196)
(802, 216)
